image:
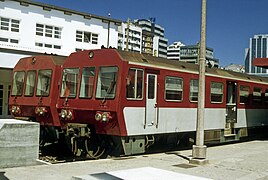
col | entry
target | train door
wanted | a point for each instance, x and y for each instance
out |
(151, 118)
(231, 108)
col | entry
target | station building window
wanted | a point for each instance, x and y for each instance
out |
(216, 92)
(39, 44)
(244, 94)
(14, 41)
(135, 84)
(173, 88)
(48, 31)
(86, 37)
(194, 90)
(8, 24)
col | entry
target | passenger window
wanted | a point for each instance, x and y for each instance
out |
(216, 92)
(69, 82)
(30, 83)
(87, 82)
(256, 99)
(194, 90)
(44, 82)
(244, 94)
(134, 87)
(173, 88)
(18, 83)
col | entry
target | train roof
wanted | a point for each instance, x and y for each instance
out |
(152, 61)
(40, 60)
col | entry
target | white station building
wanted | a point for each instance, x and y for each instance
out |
(31, 28)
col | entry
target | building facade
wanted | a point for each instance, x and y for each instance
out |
(5, 79)
(190, 54)
(257, 49)
(235, 67)
(153, 40)
(173, 51)
(29, 27)
(131, 33)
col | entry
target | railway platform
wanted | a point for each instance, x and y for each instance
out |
(244, 160)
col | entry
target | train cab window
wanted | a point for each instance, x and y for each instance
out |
(106, 84)
(44, 82)
(135, 84)
(69, 82)
(256, 98)
(244, 94)
(87, 82)
(18, 83)
(216, 92)
(266, 96)
(173, 88)
(194, 90)
(30, 83)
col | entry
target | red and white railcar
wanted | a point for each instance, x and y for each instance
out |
(35, 89)
(117, 99)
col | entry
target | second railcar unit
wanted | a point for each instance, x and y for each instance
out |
(35, 89)
(115, 99)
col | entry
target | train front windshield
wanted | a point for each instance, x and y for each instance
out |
(106, 84)
(69, 82)
(44, 82)
(18, 83)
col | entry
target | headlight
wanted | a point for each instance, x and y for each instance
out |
(69, 114)
(63, 113)
(15, 110)
(105, 117)
(40, 111)
(66, 114)
(98, 116)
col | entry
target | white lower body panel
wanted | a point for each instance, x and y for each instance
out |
(171, 120)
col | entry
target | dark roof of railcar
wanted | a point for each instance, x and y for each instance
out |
(162, 62)
(55, 59)
(58, 60)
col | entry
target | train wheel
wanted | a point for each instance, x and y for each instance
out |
(93, 149)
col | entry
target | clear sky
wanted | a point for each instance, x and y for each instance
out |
(230, 23)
